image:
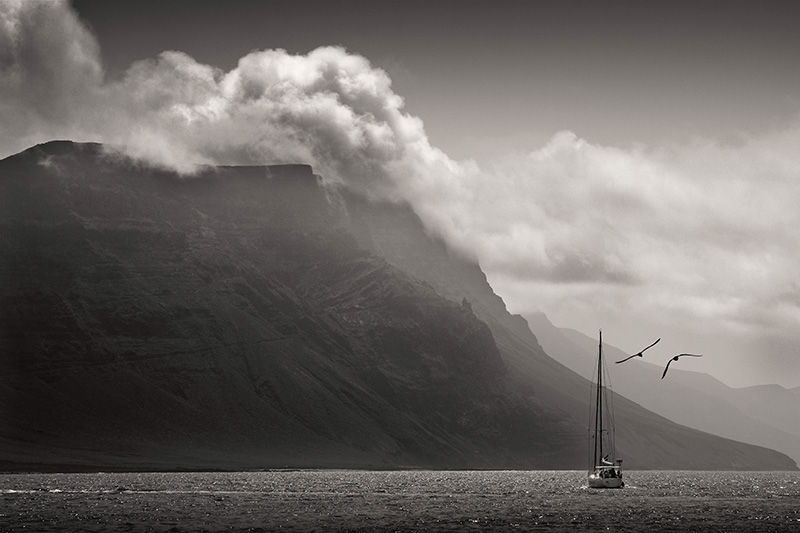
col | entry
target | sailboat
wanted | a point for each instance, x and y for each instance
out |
(605, 470)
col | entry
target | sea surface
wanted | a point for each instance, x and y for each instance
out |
(352, 500)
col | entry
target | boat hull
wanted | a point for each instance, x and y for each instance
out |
(597, 482)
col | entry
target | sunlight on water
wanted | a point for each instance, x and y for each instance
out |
(336, 500)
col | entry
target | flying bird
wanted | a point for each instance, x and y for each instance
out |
(675, 359)
(638, 354)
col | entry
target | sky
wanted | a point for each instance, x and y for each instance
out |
(630, 166)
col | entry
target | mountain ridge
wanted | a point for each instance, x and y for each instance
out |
(690, 398)
(248, 318)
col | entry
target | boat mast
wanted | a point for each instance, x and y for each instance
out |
(598, 413)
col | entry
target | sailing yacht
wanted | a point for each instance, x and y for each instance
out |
(605, 470)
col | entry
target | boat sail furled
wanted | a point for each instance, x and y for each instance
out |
(605, 470)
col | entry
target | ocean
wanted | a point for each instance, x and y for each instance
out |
(354, 500)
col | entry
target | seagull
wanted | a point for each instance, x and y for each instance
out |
(638, 354)
(676, 358)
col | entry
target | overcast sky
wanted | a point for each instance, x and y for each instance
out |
(631, 166)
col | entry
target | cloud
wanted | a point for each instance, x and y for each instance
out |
(694, 233)
(328, 108)
(708, 225)
(49, 70)
(700, 240)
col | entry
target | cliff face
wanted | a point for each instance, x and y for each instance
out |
(245, 318)
(230, 320)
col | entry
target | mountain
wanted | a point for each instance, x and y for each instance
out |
(249, 317)
(647, 436)
(767, 415)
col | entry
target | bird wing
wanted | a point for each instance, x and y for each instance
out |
(639, 354)
(651, 345)
(690, 354)
(666, 368)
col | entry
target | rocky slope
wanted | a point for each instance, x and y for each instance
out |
(248, 318)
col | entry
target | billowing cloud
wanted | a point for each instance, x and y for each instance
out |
(699, 242)
(328, 108)
(49, 70)
(695, 234)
